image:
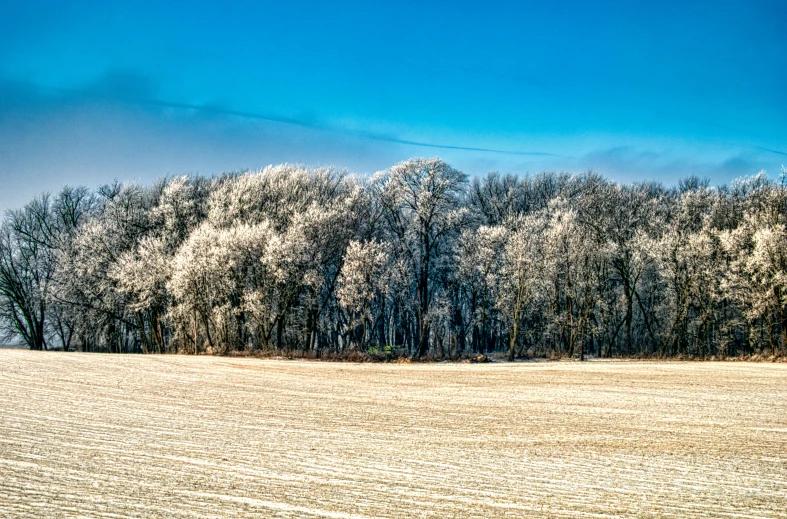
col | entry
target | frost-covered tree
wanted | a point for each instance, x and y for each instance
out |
(103, 317)
(414, 259)
(479, 260)
(423, 209)
(574, 260)
(141, 275)
(362, 280)
(523, 270)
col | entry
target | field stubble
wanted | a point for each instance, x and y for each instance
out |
(90, 435)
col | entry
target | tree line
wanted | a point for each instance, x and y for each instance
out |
(417, 261)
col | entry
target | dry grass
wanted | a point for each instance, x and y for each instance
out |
(86, 435)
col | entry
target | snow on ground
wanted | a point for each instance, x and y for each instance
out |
(91, 435)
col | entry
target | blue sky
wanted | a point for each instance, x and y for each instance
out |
(93, 91)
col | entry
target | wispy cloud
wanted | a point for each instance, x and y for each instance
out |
(120, 126)
(335, 129)
(626, 162)
(769, 150)
(90, 136)
(130, 88)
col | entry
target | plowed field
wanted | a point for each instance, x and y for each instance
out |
(87, 435)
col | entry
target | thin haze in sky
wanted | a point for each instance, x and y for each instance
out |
(96, 91)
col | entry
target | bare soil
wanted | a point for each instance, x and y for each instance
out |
(91, 435)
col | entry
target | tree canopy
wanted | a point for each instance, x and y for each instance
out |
(417, 260)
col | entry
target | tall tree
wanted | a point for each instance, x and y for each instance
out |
(423, 202)
(27, 264)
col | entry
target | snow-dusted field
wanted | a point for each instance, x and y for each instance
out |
(85, 435)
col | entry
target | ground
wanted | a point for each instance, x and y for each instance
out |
(91, 435)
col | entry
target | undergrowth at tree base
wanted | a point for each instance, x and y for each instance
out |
(357, 356)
